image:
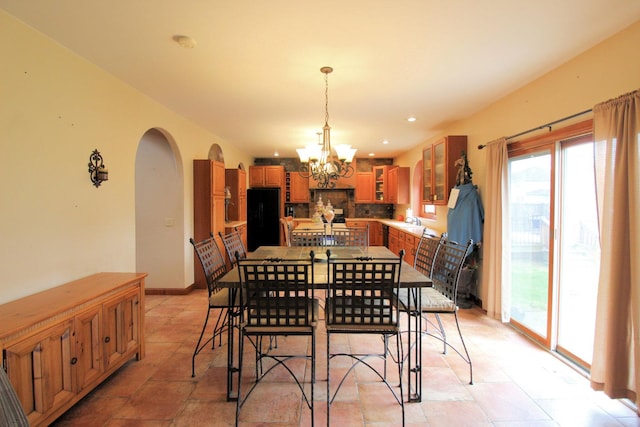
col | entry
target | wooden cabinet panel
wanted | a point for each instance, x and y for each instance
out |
(297, 188)
(54, 343)
(266, 176)
(364, 187)
(218, 178)
(208, 206)
(375, 233)
(121, 327)
(394, 241)
(40, 369)
(399, 186)
(274, 176)
(409, 248)
(439, 172)
(89, 354)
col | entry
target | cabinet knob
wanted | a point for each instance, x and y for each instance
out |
(107, 339)
(74, 360)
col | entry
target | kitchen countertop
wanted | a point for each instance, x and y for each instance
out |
(416, 230)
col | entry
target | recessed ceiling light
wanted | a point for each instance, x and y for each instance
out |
(276, 154)
(372, 154)
(385, 142)
(185, 41)
(411, 119)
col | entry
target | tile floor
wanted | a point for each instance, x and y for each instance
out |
(516, 383)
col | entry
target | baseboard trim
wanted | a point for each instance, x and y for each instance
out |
(169, 291)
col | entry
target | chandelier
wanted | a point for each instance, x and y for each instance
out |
(318, 161)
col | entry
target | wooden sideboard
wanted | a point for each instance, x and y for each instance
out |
(59, 344)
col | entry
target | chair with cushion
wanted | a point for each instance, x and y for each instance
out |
(442, 297)
(426, 253)
(279, 302)
(361, 300)
(233, 245)
(214, 267)
(352, 236)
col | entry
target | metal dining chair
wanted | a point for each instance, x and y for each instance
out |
(352, 236)
(233, 246)
(361, 300)
(308, 238)
(279, 302)
(214, 267)
(446, 259)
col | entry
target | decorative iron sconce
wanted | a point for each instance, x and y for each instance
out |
(97, 170)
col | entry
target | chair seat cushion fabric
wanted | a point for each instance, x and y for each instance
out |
(220, 298)
(432, 301)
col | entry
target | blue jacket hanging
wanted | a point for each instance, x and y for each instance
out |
(466, 219)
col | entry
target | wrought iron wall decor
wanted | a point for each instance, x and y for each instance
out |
(97, 170)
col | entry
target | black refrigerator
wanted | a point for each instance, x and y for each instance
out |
(263, 217)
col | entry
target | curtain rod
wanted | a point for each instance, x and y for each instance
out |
(548, 125)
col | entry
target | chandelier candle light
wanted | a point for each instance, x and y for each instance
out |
(318, 161)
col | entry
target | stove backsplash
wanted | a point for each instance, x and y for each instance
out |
(342, 198)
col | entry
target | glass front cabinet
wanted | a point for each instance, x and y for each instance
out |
(439, 172)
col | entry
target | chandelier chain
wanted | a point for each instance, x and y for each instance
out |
(326, 99)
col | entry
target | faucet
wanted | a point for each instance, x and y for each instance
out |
(413, 220)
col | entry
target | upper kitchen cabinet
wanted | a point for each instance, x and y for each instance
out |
(382, 190)
(266, 176)
(297, 188)
(399, 187)
(439, 172)
(364, 187)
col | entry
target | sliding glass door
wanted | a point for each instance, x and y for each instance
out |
(530, 181)
(554, 242)
(579, 262)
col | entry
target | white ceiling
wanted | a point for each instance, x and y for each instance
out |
(254, 77)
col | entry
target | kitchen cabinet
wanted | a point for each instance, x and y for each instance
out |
(364, 187)
(375, 233)
(297, 188)
(439, 172)
(60, 343)
(208, 207)
(394, 240)
(399, 186)
(236, 180)
(266, 176)
(410, 248)
(382, 189)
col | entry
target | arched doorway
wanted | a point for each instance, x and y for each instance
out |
(159, 211)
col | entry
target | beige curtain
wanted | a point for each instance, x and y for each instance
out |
(616, 355)
(496, 270)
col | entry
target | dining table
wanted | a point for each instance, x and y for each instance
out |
(411, 281)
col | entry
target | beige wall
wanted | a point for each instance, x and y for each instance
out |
(55, 109)
(606, 71)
